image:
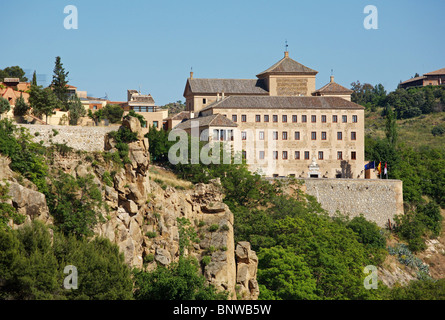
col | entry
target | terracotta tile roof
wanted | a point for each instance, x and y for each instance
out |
(228, 86)
(435, 73)
(334, 88)
(413, 79)
(180, 116)
(281, 102)
(287, 66)
(214, 120)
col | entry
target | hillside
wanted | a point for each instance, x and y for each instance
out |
(414, 132)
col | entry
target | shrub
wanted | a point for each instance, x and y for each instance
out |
(213, 227)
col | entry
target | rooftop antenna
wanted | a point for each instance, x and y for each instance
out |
(286, 45)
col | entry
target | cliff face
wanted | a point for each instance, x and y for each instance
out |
(142, 219)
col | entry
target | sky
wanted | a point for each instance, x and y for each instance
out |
(152, 46)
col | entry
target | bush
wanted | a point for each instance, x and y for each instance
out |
(179, 281)
(113, 113)
(438, 130)
(32, 262)
(213, 227)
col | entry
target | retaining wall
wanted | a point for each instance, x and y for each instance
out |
(77, 137)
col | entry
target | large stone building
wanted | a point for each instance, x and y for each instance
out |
(280, 122)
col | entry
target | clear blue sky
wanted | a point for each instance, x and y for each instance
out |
(152, 45)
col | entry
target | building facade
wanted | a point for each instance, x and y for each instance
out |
(288, 128)
(434, 78)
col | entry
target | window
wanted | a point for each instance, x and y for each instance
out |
(313, 118)
(155, 124)
(275, 155)
(306, 155)
(284, 135)
(297, 155)
(344, 119)
(261, 155)
(222, 135)
(313, 135)
(339, 155)
(334, 118)
(297, 135)
(204, 101)
(339, 136)
(354, 119)
(243, 118)
(294, 118)
(257, 118)
(244, 153)
(353, 155)
(266, 118)
(215, 134)
(243, 135)
(284, 118)
(234, 118)
(284, 155)
(353, 135)
(323, 135)
(275, 118)
(261, 135)
(303, 118)
(323, 119)
(320, 155)
(230, 135)
(275, 135)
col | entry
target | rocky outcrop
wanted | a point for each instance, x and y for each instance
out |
(143, 216)
(27, 201)
(247, 265)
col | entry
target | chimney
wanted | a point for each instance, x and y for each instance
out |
(332, 79)
(286, 54)
(191, 75)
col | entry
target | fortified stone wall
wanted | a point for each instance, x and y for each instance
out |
(77, 137)
(377, 199)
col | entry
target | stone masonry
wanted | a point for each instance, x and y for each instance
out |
(77, 137)
(377, 199)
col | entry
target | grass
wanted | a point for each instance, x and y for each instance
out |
(415, 132)
(165, 177)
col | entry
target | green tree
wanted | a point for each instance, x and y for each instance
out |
(74, 204)
(113, 113)
(76, 110)
(179, 281)
(285, 276)
(60, 83)
(21, 107)
(42, 101)
(32, 261)
(4, 105)
(34, 79)
(158, 144)
(13, 72)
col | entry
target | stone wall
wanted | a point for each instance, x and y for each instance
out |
(77, 137)
(378, 200)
